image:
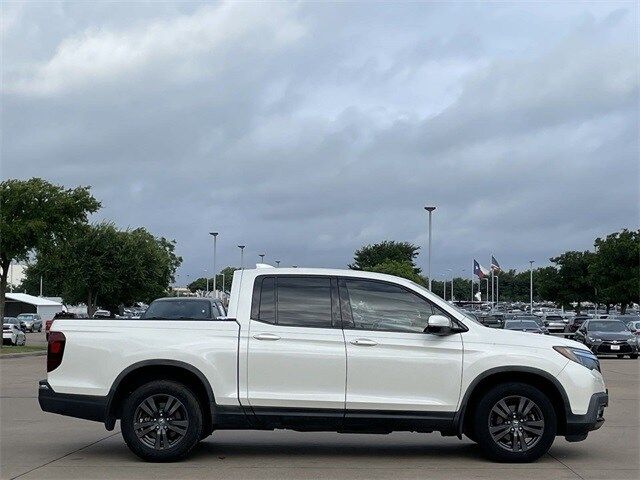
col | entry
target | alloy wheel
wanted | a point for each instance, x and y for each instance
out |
(160, 421)
(516, 423)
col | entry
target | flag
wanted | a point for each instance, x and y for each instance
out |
(479, 270)
(495, 266)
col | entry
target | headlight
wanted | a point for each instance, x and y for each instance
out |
(594, 339)
(578, 355)
(631, 340)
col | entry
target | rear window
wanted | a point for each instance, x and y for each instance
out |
(179, 310)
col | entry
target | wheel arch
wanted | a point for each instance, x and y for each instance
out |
(145, 371)
(544, 381)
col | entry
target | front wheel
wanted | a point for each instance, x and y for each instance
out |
(515, 422)
(633, 356)
(161, 421)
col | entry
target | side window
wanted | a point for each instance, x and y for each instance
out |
(381, 306)
(267, 309)
(304, 301)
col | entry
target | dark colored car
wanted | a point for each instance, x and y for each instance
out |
(184, 308)
(575, 323)
(536, 319)
(523, 326)
(493, 320)
(608, 337)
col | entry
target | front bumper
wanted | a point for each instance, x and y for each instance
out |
(607, 348)
(579, 426)
(89, 407)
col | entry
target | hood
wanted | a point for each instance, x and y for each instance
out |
(526, 339)
(610, 335)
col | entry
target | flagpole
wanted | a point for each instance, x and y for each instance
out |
(487, 279)
(497, 289)
(492, 287)
(472, 282)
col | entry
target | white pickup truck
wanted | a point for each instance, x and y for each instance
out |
(323, 350)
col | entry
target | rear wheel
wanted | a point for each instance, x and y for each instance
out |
(515, 422)
(620, 356)
(634, 356)
(161, 421)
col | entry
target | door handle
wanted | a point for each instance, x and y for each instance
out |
(364, 342)
(266, 336)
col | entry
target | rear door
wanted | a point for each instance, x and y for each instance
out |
(296, 353)
(392, 364)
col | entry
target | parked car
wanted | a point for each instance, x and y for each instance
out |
(555, 323)
(608, 337)
(184, 308)
(32, 321)
(523, 326)
(279, 360)
(634, 326)
(539, 321)
(575, 323)
(12, 335)
(15, 321)
(494, 320)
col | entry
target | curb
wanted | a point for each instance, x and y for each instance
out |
(24, 354)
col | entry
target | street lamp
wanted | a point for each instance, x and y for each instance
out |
(531, 286)
(241, 247)
(262, 257)
(277, 263)
(430, 210)
(207, 277)
(215, 238)
(444, 287)
(451, 283)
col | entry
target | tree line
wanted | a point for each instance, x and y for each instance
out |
(92, 263)
(608, 276)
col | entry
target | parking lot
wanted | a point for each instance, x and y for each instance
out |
(37, 445)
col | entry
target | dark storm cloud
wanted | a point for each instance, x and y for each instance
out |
(304, 130)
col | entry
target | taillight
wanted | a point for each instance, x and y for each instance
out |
(47, 325)
(55, 350)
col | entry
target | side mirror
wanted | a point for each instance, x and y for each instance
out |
(439, 325)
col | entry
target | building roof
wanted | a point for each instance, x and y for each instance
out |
(31, 299)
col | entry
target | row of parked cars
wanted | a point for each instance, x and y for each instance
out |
(14, 328)
(604, 334)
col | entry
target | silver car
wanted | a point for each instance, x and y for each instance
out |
(12, 335)
(31, 321)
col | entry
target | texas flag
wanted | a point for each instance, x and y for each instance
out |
(479, 270)
(495, 266)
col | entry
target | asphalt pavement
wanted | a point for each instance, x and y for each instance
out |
(35, 445)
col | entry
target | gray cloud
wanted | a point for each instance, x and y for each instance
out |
(305, 130)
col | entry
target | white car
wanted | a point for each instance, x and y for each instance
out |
(323, 350)
(12, 335)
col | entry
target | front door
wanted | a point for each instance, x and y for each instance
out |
(392, 364)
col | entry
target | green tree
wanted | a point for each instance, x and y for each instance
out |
(615, 269)
(226, 274)
(369, 256)
(574, 280)
(34, 214)
(101, 265)
(402, 269)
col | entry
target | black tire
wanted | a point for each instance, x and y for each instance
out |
(190, 420)
(634, 356)
(620, 356)
(519, 446)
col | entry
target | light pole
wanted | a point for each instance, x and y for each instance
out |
(241, 247)
(531, 286)
(451, 283)
(207, 277)
(262, 255)
(430, 210)
(277, 263)
(444, 287)
(215, 238)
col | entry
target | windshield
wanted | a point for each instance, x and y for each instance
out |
(26, 315)
(179, 310)
(610, 326)
(12, 320)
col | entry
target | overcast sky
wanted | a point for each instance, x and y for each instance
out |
(305, 130)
